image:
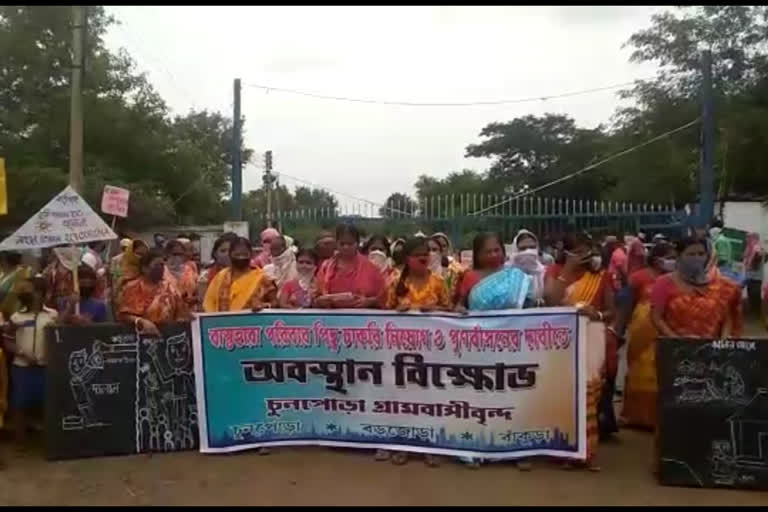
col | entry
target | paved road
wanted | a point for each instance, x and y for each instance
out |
(318, 476)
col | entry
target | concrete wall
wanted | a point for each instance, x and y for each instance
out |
(749, 216)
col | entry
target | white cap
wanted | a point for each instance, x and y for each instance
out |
(90, 260)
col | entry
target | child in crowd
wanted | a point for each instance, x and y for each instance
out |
(25, 339)
(92, 310)
(297, 293)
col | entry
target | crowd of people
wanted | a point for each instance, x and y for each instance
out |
(631, 289)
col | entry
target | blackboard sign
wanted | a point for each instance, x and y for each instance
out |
(713, 412)
(111, 392)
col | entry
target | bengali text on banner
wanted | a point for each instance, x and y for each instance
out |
(493, 384)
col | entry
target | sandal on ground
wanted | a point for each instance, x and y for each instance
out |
(381, 455)
(264, 451)
(432, 461)
(399, 458)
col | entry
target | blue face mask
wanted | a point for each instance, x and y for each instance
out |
(693, 270)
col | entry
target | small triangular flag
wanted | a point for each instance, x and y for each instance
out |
(65, 220)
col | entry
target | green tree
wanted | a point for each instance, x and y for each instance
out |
(399, 205)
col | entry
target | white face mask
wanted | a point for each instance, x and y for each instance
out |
(379, 259)
(596, 262)
(714, 232)
(527, 259)
(435, 261)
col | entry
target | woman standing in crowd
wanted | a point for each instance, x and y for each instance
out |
(219, 261)
(417, 288)
(25, 338)
(641, 387)
(150, 300)
(349, 279)
(325, 247)
(694, 302)
(90, 310)
(182, 272)
(240, 287)
(396, 250)
(376, 248)
(491, 285)
(578, 279)
(265, 257)
(13, 273)
(282, 268)
(526, 258)
(297, 293)
(451, 271)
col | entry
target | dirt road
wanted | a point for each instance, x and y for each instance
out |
(319, 476)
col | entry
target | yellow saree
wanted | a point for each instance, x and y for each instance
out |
(250, 290)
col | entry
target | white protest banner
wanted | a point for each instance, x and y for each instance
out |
(114, 201)
(65, 220)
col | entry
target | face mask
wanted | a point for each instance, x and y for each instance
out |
(435, 261)
(692, 270)
(527, 259)
(222, 260)
(378, 258)
(595, 262)
(667, 264)
(713, 232)
(418, 263)
(156, 274)
(241, 263)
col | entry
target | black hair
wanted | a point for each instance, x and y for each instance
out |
(658, 250)
(173, 243)
(717, 223)
(240, 242)
(226, 237)
(12, 258)
(477, 245)
(153, 254)
(347, 229)
(410, 245)
(571, 241)
(86, 271)
(307, 252)
(688, 241)
(377, 238)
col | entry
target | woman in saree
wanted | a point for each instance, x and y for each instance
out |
(240, 287)
(452, 270)
(219, 261)
(415, 288)
(349, 279)
(282, 268)
(13, 273)
(488, 286)
(640, 389)
(579, 279)
(150, 300)
(527, 258)
(694, 302)
(182, 272)
(491, 285)
(376, 249)
(297, 293)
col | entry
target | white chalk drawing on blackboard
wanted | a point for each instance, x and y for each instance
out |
(703, 383)
(83, 368)
(686, 466)
(166, 408)
(723, 463)
(749, 432)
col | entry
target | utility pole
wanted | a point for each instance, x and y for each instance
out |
(237, 169)
(76, 99)
(268, 179)
(706, 171)
(277, 204)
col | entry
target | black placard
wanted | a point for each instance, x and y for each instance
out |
(109, 392)
(713, 412)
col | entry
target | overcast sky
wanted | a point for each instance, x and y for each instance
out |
(415, 54)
